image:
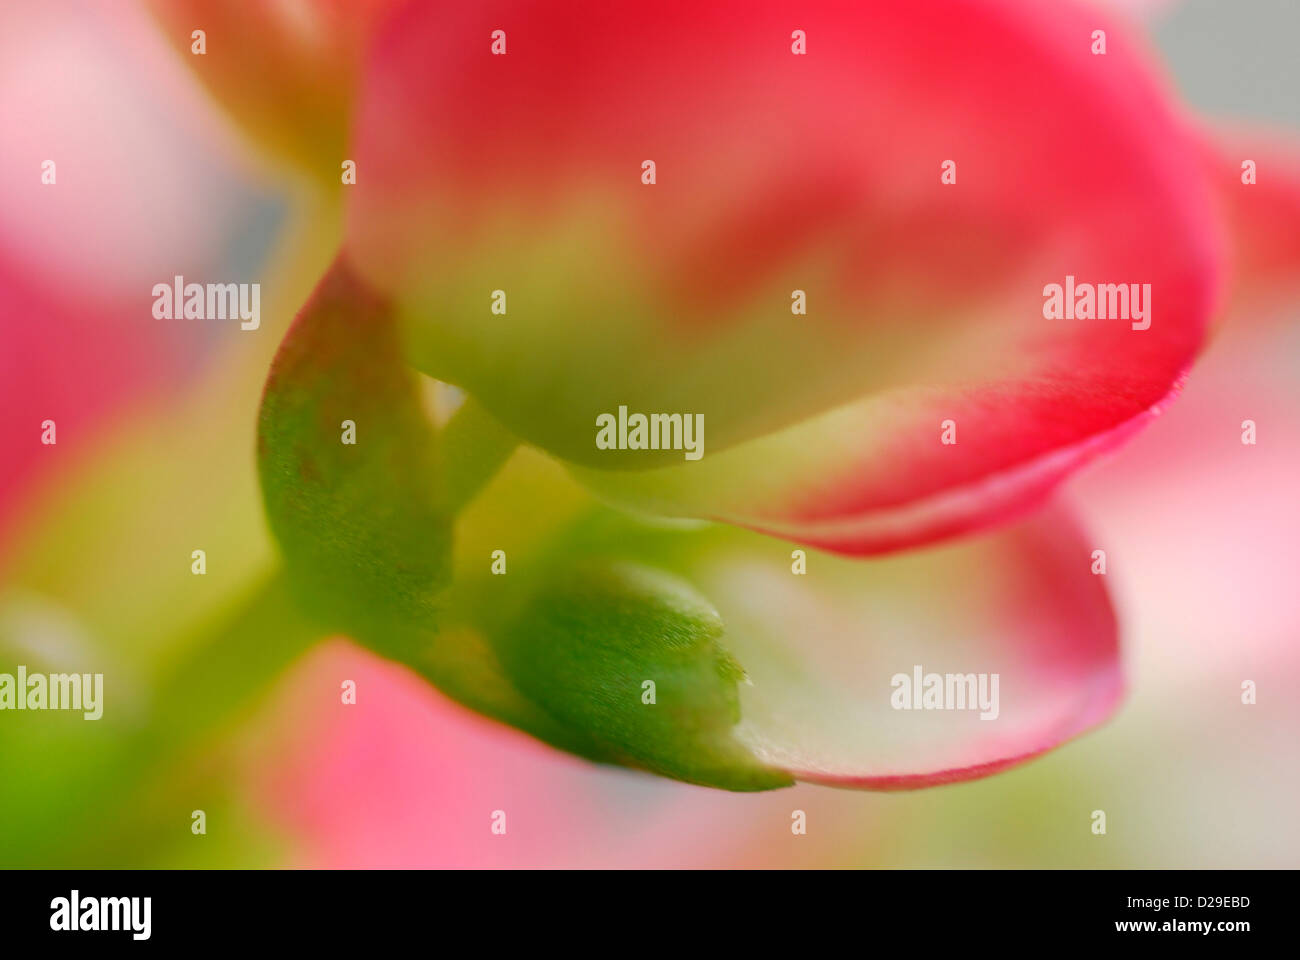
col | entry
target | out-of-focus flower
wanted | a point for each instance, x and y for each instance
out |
(287, 70)
(92, 105)
(1260, 197)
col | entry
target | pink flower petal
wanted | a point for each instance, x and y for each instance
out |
(779, 172)
(876, 476)
(824, 652)
(1263, 216)
(820, 639)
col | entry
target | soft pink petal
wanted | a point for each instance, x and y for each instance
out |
(779, 172)
(821, 651)
(1263, 217)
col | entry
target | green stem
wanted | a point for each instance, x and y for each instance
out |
(127, 796)
(473, 447)
(230, 664)
(134, 799)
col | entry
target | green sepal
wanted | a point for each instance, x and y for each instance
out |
(366, 542)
